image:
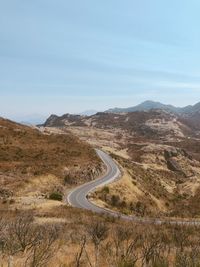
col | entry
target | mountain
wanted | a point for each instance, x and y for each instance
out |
(189, 112)
(89, 112)
(148, 118)
(158, 152)
(151, 124)
(64, 120)
(191, 109)
(148, 105)
(145, 106)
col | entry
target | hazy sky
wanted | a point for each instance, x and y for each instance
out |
(59, 56)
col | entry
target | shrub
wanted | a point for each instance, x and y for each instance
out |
(68, 179)
(105, 190)
(115, 200)
(56, 196)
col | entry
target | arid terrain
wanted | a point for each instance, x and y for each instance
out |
(99, 133)
(158, 152)
(158, 155)
(35, 165)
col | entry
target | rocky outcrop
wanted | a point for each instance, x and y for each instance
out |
(170, 154)
(64, 120)
(175, 152)
(77, 176)
(51, 121)
(173, 165)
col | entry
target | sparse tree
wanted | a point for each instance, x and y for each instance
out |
(122, 249)
(98, 232)
(21, 234)
(44, 248)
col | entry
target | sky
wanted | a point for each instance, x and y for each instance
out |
(60, 56)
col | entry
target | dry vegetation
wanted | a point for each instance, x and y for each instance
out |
(158, 153)
(29, 239)
(158, 180)
(35, 166)
(161, 175)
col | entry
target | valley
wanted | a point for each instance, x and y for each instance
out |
(158, 153)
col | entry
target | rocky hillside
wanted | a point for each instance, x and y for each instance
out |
(152, 124)
(158, 180)
(158, 152)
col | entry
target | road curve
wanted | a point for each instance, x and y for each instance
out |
(78, 197)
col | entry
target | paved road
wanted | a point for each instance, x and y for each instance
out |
(78, 197)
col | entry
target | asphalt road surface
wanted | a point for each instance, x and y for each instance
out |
(78, 197)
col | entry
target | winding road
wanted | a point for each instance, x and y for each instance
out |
(79, 196)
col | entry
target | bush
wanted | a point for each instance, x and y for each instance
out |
(115, 200)
(68, 179)
(56, 196)
(106, 190)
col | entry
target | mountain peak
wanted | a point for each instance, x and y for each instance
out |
(145, 106)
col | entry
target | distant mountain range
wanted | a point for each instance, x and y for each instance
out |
(89, 112)
(134, 118)
(31, 119)
(149, 105)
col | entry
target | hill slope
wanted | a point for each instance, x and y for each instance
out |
(28, 155)
(151, 124)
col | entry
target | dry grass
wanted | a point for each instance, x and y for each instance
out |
(162, 190)
(28, 151)
(34, 164)
(165, 242)
(117, 151)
